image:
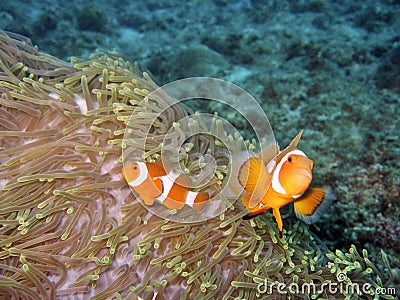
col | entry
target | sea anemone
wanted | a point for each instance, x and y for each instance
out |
(70, 226)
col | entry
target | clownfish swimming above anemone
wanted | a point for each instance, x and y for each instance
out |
(276, 178)
(153, 184)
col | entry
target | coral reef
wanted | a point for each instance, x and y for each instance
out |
(71, 226)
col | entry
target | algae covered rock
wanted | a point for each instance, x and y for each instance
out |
(387, 75)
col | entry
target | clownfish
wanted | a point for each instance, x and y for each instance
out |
(274, 179)
(153, 184)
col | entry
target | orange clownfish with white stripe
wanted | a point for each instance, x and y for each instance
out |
(274, 179)
(153, 184)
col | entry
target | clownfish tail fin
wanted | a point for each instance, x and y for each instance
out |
(313, 204)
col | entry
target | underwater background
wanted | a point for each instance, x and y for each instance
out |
(330, 67)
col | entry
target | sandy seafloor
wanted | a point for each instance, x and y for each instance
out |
(330, 67)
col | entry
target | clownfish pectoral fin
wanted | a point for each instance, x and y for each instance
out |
(148, 190)
(245, 201)
(312, 204)
(250, 204)
(254, 178)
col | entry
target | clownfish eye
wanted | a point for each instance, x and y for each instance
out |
(290, 159)
(135, 167)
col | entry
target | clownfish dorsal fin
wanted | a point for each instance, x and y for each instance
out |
(292, 146)
(156, 169)
(295, 141)
(312, 204)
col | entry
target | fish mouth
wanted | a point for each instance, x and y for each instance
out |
(306, 174)
(301, 182)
